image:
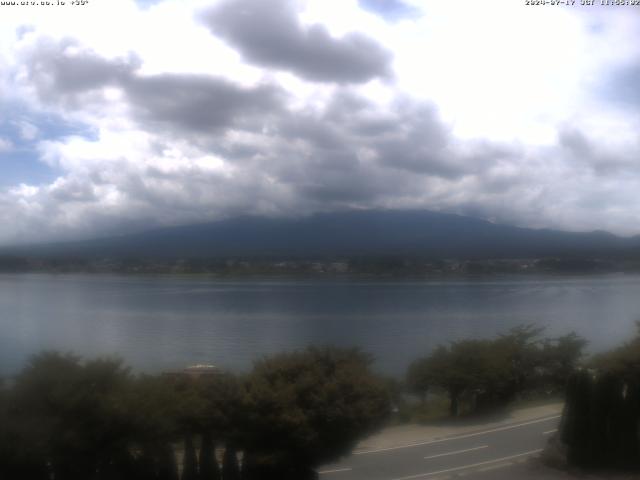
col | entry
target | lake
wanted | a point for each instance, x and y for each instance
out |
(159, 323)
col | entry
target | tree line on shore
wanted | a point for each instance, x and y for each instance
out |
(65, 418)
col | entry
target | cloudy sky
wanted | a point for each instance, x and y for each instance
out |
(121, 115)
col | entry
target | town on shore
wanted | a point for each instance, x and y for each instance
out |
(356, 266)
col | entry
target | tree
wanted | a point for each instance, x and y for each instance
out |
(74, 415)
(230, 467)
(190, 460)
(166, 462)
(476, 369)
(576, 420)
(419, 377)
(521, 347)
(310, 407)
(208, 465)
(602, 408)
(19, 456)
(624, 360)
(222, 406)
(559, 360)
(490, 373)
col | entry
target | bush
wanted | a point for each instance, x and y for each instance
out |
(307, 408)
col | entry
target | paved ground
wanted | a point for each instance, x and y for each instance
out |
(414, 433)
(534, 470)
(500, 448)
(505, 447)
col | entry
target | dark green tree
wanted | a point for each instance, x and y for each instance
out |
(559, 359)
(490, 373)
(21, 454)
(208, 464)
(576, 428)
(222, 406)
(190, 460)
(310, 407)
(167, 468)
(419, 377)
(154, 406)
(474, 369)
(230, 467)
(74, 414)
(521, 349)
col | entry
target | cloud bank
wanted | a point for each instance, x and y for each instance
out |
(278, 107)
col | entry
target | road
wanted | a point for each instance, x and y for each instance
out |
(472, 454)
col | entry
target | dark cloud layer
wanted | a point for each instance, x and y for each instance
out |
(268, 33)
(601, 159)
(64, 74)
(62, 70)
(198, 103)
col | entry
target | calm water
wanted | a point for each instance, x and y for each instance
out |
(168, 322)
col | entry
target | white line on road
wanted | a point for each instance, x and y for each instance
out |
(465, 467)
(469, 435)
(456, 452)
(337, 470)
(550, 431)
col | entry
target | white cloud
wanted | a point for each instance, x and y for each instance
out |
(490, 108)
(28, 131)
(6, 145)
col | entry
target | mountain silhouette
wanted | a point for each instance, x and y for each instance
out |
(351, 233)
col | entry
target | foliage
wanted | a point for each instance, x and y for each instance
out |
(69, 419)
(230, 467)
(208, 465)
(624, 360)
(222, 408)
(602, 412)
(600, 422)
(71, 416)
(487, 373)
(558, 360)
(309, 407)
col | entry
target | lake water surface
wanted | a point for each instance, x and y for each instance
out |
(158, 323)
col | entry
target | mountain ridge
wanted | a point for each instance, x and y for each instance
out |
(348, 233)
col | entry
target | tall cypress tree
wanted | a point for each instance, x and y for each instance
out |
(576, 432)
(167, 466)
(209, 469)
(190, 461)
(626, 454)
(230, 467)
(145, 465)
(606, 393)
(248, 471)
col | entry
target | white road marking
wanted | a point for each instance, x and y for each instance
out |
(456, 452)
(550, 431)
(469, 435)
(337, 470)
(465, 467)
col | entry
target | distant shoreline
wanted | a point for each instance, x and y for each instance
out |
(249, 274)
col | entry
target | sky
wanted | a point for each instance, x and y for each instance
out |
(119, 115)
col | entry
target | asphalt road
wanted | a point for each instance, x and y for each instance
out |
(472, 454)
